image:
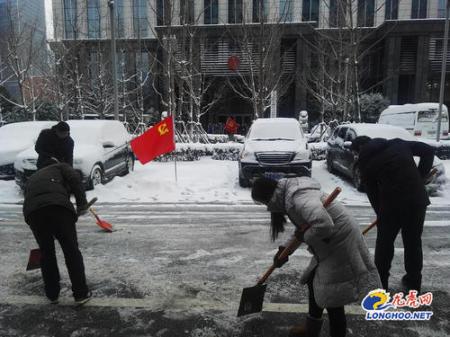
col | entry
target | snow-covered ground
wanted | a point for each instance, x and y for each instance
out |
(204, 181)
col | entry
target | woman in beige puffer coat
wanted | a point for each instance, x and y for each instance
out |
(341, 270)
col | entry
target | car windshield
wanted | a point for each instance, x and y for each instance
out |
(431, 116)
(275, 131)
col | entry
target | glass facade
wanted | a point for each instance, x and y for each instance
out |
(286, 10)
(70, 19)
(260, 10)
(391, 10)
(187, 11)
(120, 19)
(93, 19)
(235, 11)
(366, 11)
(140, 23)
(211, 12)
(419, 9)
(310, 10)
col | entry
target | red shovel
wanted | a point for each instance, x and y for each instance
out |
(106, 226)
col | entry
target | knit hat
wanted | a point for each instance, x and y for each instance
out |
(62, 126)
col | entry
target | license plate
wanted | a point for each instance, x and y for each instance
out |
(274, 175)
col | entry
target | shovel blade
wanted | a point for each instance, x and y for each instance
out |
(34, 261)
(252, 300)
(106, 226)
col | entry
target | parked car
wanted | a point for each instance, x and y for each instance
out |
(274, 147)
(419, 119)
(101, 152)
(14, 138)
(341, 159)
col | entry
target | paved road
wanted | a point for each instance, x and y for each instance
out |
(178, 270)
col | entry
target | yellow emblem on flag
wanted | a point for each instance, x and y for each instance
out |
(163, 129)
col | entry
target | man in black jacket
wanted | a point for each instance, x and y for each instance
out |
(55, 143)
(50, 214)
(395, 186)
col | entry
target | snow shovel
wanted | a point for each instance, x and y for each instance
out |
(34, 260)
(106, 226)
(252, 298)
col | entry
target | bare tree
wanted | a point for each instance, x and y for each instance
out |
(259, 51)
(24, 53)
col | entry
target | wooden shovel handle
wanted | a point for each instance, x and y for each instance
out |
(94, 214)
(294, 243)
(368, 228)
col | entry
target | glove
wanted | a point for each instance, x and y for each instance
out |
(276, 261)
(81, 210)
(300, 235)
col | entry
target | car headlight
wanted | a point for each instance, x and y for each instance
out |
(247, 156)
(302, 155)
(29, 164)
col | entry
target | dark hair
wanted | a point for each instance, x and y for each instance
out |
(62, 126)
(359, 142)
(277, 221)
(262, 191)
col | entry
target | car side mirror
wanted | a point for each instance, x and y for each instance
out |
(108, 144)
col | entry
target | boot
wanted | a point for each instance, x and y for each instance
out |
(311, 328)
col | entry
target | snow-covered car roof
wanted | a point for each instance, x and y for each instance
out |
(92, 131)
(16, 137)
(380, 131)
(269, 128)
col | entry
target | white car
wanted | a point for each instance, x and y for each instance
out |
(101, 152)
(274, 147)
(14, 138)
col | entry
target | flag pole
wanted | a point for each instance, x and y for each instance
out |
(175, 154)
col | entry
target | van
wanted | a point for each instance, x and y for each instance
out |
(419, 119)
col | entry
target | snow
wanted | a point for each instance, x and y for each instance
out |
(16, 137)
(203, 181)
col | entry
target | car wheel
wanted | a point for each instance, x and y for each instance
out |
(96, 177)
(243, 182)
(130, 165)
(330, 166)
(356, 177)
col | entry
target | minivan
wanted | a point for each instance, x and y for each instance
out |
(419, 119)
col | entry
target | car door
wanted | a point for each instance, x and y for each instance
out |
(348, 157)
(339, 149)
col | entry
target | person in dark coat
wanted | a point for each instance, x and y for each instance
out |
(51, 215)
(395, 186)
(341, 270)
(55, 143)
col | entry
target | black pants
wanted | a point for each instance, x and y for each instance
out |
(338, 321)
(410, 221)
(58, 222)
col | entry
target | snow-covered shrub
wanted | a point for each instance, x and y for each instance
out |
(318, 150)
(229, 151)
(371, 106)
(222, 138)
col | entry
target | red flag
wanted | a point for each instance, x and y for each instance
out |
(155, 141)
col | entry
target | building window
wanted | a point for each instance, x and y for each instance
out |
(338, 10)
(286, 9)
(419, 9)
(187, 11)
(70, 19)
(391, 10)
(260, 10)
(366, 10)
(120, 20)
(441, 9)
(310, 10)
(140, 18)
(234, 11)
(211, 12)
(93, 16)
